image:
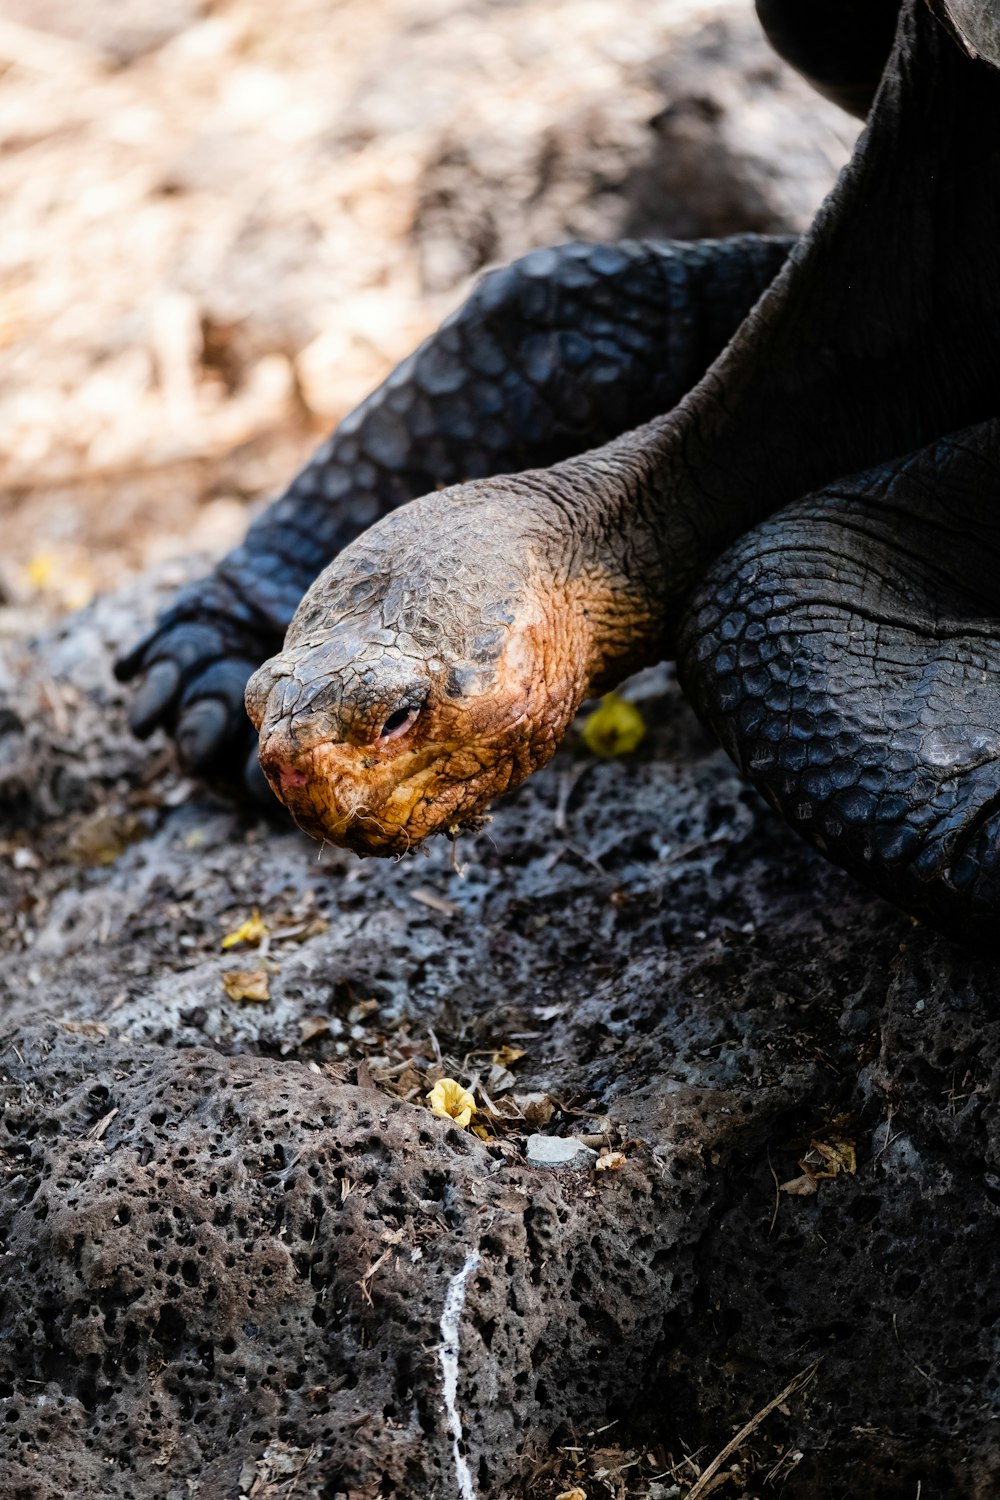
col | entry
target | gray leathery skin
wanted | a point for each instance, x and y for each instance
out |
(976, 23)
(840, 366)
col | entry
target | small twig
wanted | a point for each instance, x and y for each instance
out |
(795, 1384)
(909, 1357)
(368, 1278)
(97, 1131)
(454, 861)
(567, 783)
(689, 1459)
(889, 1137)
(777, 1194)
(293, 1483)
(585, 854)
(432, 899)
(487, 1101)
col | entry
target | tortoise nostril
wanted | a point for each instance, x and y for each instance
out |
(286, 775)
(292, 776)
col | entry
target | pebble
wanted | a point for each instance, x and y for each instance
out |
(558, 1151)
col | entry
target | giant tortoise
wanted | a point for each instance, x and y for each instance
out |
(776, 461)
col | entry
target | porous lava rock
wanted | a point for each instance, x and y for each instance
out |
(232, 1242)
(205, 1253)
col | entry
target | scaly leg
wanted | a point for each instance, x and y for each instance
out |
(847, 653)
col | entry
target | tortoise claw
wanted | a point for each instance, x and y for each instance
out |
(156, 693)
(212, 720)
(196, 668)
(202, 730)
(133, 662)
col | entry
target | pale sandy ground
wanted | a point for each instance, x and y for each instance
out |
(222, 224)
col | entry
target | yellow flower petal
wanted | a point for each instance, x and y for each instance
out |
(252, 932)
(452, 1102)
(615, 728)
(40, 570)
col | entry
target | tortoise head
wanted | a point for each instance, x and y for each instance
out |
(434, 665)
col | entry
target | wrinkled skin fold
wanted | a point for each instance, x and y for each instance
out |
(839, 633)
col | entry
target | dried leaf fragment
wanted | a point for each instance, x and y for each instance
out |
(615, 728)
(102, 837)
(610, 1161)
(505, 1055)
(499, 1081)
(86, 1028)
(452, 1101)
(60, 575)
(536, 1108)
(40, 569)
(362, 1010)
(574, 1494)
(251, 932)
(800, 1187)
(835, 1156)
(247, 984)
(300, 932)
(824, 1159)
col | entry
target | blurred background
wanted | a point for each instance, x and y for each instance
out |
(222, 224)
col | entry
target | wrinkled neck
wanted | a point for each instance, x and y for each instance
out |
(881, 333)
(600, 558)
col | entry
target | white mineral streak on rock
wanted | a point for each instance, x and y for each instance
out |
(451, 1318)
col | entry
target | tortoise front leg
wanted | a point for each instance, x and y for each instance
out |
(847, 653)
(552, 355)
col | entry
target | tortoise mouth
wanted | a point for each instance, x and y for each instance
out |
(326, 797)
(374, 804)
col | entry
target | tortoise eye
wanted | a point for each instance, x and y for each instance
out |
(397, 723)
